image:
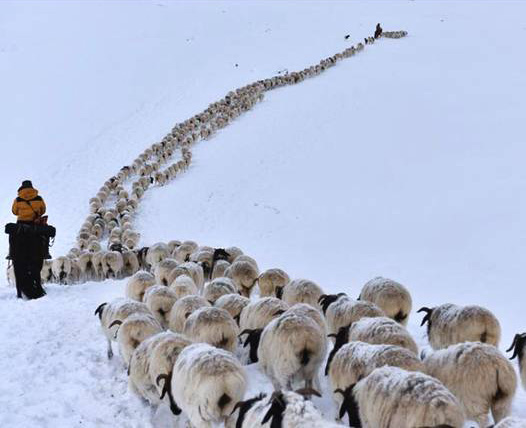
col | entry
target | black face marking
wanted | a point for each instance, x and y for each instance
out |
(342, 337)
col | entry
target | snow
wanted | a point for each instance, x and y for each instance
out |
(404, 161)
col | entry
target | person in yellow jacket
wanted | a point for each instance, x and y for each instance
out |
(28, 206)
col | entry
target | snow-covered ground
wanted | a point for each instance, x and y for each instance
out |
(405, 161)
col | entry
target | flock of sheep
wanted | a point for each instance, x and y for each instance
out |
(185, 334)
(194, 316)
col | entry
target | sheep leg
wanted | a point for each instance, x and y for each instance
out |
(110, 351)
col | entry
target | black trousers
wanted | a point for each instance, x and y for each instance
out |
(28, 280)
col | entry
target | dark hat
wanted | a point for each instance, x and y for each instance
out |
(26, 184)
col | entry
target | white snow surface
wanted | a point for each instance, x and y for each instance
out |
(405, 161)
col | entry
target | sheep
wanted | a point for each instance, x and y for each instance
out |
(160, 300)
(233, 304)
(112, 264)
(183, 251)
(137, 285)
(207, 257)
(519, 347)
(283, 409)
(96, 260)
(511, 423)
(257, 314)
(183, 286)
(162, 270)
(356, 360)
(206, 384)
(309, 311)
(61, 268)
(341, 311)
(130, 263)
(217, 288)
(153, 358)
(182, 309)
(245, 258)
(479, 376)
(132, 331)
(219, 269)
(393, 397)
(191, 269)
(301, 291)
(172, 245)
(46, 273)
(448, 324)
(271, 279)
(214, 326)
(244, 274)
(393, 298)
(292, 348)
(117, 309)
(156, 253)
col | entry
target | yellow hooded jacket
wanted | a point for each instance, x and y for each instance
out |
(28, 206)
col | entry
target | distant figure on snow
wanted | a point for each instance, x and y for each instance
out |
(29, 240)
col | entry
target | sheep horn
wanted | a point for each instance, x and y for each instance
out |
(428, 312)
(515, 339)
(166, 378)
(98, 311)
(114, 323)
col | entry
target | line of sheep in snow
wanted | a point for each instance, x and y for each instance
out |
(112, 208)
(186, 333)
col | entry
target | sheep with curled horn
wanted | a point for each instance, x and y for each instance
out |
(519, 350)
(479, 375)
(118, 309)
(285, 409)
(356, 360)
(155, 356)
(292, 348)
(138, 284)
(182, 309)
(390, 296)
(449, 324)
(376, 331)
(132, 331)
(341, 311)
(206, 384)
(393, 397)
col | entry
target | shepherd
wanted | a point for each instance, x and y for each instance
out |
(28, 241)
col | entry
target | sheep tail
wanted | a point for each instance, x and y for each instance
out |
(400, 317)
(304, 356)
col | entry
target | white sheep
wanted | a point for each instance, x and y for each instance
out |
(233, 253)
(257, 314)
(61, 268)
(133, 330)
(182, 309)
(191, 269)
(393, 397)
(184, 286)
(138, 284)
(156, 253)
(163, 269)
(160, 300)
(112, 264)
(292, 348)
(271, 279)
(393, 298)
(309, 311)
(150, 362)
(46, 273)
(479, 376)
(183, 251)
(356, 360)
(130, 263)
(448, 324)
(233, 304)
(217, 288)
(214, 326)
(206, 384)
(244, 274)
(341, 311)
(519, 350)
(219, 269)
(118, 309)
(301, 291)
(282, 409)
